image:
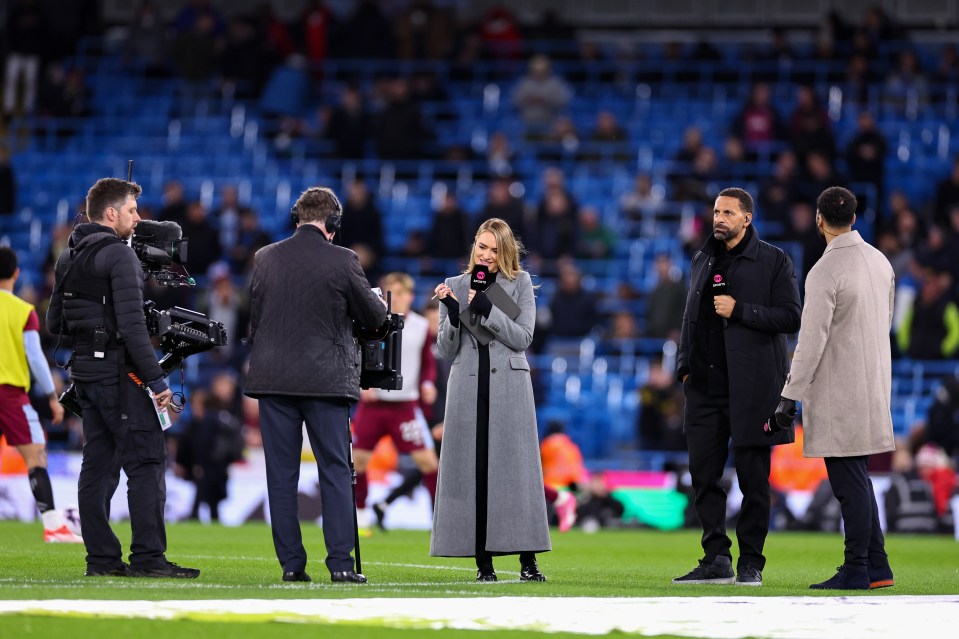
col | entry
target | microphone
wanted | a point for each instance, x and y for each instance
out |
(479, 280)
(719, 284)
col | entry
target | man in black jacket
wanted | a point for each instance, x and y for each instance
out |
(98, 300)
(743, 299)
(305, 367)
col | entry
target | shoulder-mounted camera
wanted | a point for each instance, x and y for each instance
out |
(381, 351)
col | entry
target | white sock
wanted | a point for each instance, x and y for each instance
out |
(51, 519)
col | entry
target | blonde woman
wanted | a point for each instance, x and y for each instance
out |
(489, 499)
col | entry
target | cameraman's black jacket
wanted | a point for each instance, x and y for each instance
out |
(304, 294)
(102, 262)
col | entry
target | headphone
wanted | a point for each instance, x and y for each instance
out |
(333, 220)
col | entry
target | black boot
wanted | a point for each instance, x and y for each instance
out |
(529, 571)
(484, 567)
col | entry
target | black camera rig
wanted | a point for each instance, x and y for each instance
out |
(381, 350)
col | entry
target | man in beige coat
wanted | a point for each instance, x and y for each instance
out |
(842, 373)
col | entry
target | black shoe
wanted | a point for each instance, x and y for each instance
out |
(347, 576)
(380, 513)
(881, 577)
(747, 575)
(296, 575)
(846, 578)
(485, 574)
(717, 571)
(102, 571)
(529, 571)
(169, 571)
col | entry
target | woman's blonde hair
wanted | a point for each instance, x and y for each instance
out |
(508, 248)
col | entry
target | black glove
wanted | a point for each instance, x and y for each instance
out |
(783, 418)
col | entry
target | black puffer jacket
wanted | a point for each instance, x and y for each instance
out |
(129, 347)
(304, 294)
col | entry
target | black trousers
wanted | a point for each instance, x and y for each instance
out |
(707, 437)
(327, 426)
(121, 430)
(849, 479)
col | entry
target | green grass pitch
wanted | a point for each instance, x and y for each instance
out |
(238, 563)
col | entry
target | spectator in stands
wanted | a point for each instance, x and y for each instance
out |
(696, 183)
(500, 155)
(8, 183)
(595, 240)
(502, 204)
(841, 372)
(449, 237)
(174, 203)
(665, 304)
(820, 174)
(947, 73)
(935, 467)
(317, 23)
(557, 228)
(866, 156)
(560, 143)
(223, 302)
(540, 95)
(500, 34)
(608, 139)
(400, 129)
(424, 32)
(692, 145)
(250, 238)
(858, 81)
(226, 217)
(244, 62)
(26, 31)
(204, 245)
(362, 226)
(758, 125)
(777, 193)
(147, 40)
(644, 199)
(348, 124)
(732, 362)
(906, 87)
(947, 196)
(573, 309)
(368, 33)
(736, 164)
(661, 407)
(809, 126)
(195, 57)
(802, 229)
(930, 328)
(901, 259)
(63, 94)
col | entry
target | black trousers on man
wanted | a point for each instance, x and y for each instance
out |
(707, 437)
(121, 430)
(327, 426)
(865, 544)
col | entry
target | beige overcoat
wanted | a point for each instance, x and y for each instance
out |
(842, 368)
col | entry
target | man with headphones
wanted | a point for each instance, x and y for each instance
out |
(743, 300)
(305, 367)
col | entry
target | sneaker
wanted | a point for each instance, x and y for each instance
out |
(749, 576)
(380, 512)
(61, 535)
(717, 571)
(566, 510)
(170, 571)
(846, 578)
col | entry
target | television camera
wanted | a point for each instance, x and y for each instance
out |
(381, 351)
(162, 251)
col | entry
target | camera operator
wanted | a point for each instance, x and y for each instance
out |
(98, 300)
(305, 367)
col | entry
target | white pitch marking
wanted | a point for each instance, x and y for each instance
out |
(867, 617)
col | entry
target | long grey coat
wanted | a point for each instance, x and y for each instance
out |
(516, 513)
(842, 368)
